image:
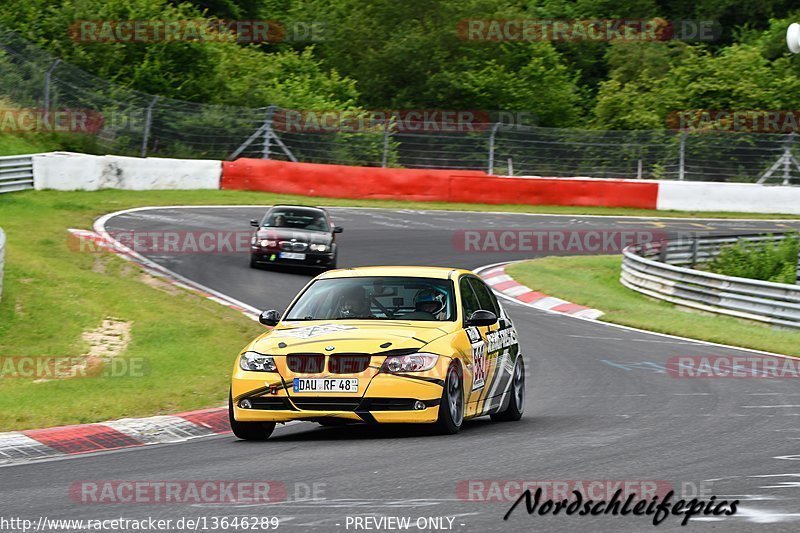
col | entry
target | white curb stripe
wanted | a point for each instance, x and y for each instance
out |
(159, 429)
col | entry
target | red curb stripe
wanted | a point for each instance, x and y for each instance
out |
(505, 285)
(569, 308)
(71, 440)
(530, 297)
(214, 419)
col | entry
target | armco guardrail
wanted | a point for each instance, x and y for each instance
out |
(16, 173)
(2, 257)
(653, 269)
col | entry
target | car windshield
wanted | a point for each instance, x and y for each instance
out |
(302, 219)
(376, 298)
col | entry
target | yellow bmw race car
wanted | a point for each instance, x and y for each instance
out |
(381, 345)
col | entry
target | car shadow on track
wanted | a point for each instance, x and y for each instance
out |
(289, 269)
(351, 432)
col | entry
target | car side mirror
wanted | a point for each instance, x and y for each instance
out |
(270, 318)
(255, 223)
(482, 318)
(338, 229)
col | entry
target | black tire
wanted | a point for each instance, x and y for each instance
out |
(249, 430)
(451, 407)
(516, 404)
(334, 261)
(253, 263)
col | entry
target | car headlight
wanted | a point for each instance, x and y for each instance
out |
(269, 244)
(415, 362)
(256, 362)
(318, 247)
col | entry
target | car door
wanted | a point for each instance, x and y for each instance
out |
(476, 365)
(501, 350)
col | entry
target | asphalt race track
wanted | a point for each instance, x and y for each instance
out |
(599, 406)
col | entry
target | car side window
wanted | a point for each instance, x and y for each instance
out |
(469, 302)
(485, 296)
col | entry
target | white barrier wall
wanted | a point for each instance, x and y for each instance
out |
(735, 197)
(69, 171)
(65, 171)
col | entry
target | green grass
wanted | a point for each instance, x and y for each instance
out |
(16, 144)
(594, 282)
(52, 295)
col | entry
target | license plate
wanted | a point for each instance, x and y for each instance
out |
(325, 385)
(292, 255)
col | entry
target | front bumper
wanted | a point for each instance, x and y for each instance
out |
(388, 399)
(270, 257)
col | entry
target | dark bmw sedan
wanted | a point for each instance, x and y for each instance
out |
(294, 235)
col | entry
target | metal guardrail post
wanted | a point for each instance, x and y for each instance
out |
(797, 275)
(148, 122)
(268, 134)
(492, 136)
(682, 158)
(385, 156)
(662, 251)
(695, 249)
(47, 77)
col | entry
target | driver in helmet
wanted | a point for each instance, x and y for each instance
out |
(354, 303)
(428, 305)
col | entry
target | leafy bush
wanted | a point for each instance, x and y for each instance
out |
(775, 262)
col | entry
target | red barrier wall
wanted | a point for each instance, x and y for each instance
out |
(336, 181)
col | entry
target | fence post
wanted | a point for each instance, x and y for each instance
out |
(682, 160)
(797, 272)
(695, 250)
(787, 161)
(47, 78)
(265, 150)
(148, 122)
(385, 156)
(492, 135)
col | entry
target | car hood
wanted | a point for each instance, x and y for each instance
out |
(349, 336)
(283, 234)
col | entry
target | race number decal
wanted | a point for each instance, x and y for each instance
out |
(473, 334)
(479, 369)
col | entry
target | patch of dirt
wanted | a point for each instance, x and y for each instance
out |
(106, 342)
(156, 283)
(126, 270)
(99, 264)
